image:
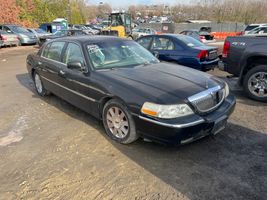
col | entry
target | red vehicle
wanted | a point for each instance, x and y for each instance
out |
(7, 39)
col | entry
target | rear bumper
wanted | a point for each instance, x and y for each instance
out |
(181, 131)
(28, 41)
(208, 65)
(10, 43)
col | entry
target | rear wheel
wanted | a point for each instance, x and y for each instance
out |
(118, 122)
(39, 85)
(255, 83)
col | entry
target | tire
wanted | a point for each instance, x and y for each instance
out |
(123, 130)
(38, 84)
(254, 79)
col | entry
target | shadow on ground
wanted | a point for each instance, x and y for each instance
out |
(232, 165)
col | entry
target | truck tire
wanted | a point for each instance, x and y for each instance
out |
(255, 83)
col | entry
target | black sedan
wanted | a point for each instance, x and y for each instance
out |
(124, 85)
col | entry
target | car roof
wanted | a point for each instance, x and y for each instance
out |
(88, 39)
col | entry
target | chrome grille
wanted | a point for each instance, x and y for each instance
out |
(208, 100)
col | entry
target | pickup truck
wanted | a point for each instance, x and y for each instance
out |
(245, 57)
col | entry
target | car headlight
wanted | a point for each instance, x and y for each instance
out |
(166, 111)
(226, 90)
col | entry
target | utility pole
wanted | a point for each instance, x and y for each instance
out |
(69, 12)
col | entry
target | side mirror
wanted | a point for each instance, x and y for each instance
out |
(76, 65)
(156, 54)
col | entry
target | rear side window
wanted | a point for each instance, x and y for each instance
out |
(55, 50)
(161, 43)
(145, 42)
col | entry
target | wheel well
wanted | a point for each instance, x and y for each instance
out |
(32, 72)
(253, 62)
(102, 104)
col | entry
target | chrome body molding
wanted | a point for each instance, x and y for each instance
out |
(70, 90)
(193, 123)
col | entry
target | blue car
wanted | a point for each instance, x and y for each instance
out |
(181, 49)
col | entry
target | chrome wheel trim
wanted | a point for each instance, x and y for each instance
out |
(38, 83)
(117, 122)
(257, 84)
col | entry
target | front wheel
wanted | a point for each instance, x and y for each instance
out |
(255, 83)
(118, 122)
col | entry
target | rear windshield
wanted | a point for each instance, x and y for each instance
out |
(249, 28)
(189, 41)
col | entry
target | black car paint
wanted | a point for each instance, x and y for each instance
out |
(163, 83)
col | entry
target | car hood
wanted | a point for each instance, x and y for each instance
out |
(164, 82)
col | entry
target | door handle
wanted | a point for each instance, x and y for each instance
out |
(40, 63)
(62, 73)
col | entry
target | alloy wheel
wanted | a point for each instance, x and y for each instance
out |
(117, 122)
(257, 84)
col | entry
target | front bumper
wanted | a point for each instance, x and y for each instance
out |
(184, 130)
(10, 43)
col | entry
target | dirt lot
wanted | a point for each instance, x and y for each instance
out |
(51, 150)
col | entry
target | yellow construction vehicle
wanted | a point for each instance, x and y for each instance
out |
(120, 25)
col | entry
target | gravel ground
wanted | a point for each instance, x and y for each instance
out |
(51, 150)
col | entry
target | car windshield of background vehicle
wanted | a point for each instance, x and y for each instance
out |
(119, 55)
(189, 41)
(19, 29)
(40, 31)
(61, 33)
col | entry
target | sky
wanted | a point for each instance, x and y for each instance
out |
(126, 3)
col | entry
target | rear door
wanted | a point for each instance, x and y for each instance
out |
(50, 66)
(165, 48)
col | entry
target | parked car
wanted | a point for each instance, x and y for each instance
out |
(124, 85)
(181, 49)
(202, 36)
(25, 37)
(246, 58)
(61, 33)
(86, 29)
(251, 27)
(94, 26)
(139, 32)
(8, 39)
(38, 32)
(258, 30)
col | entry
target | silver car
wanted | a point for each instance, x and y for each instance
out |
(25, 37)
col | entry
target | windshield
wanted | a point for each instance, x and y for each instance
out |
(257, 30)
(40, 31)
(18, 29)
(249, 28)
(119, 54)
(189, 41)
(61, 33)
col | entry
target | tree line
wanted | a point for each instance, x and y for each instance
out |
(244, 11)
(34, 12)
(31, 13)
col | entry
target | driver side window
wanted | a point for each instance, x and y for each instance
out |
(73, 53)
